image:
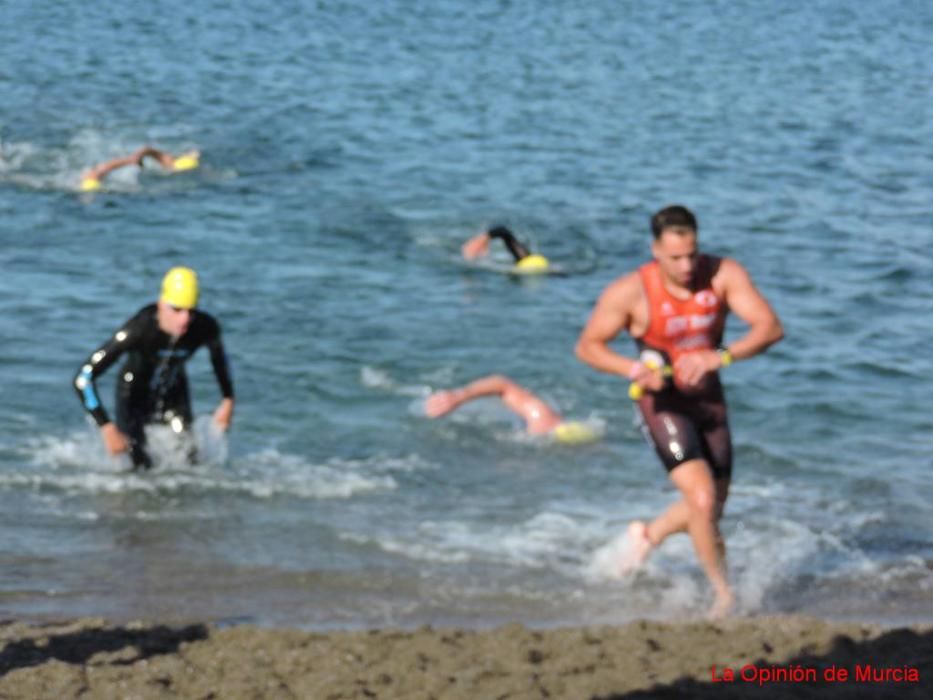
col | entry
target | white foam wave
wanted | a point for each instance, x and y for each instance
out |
(605, 562)
(59, 168)
(546, 540)
(418, 551)
(291, 475)
(375, 378)
(78, 464)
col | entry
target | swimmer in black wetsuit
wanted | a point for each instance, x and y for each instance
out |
(525, 260)
(153, 386)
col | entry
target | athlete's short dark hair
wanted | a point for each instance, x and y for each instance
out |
(674, 216)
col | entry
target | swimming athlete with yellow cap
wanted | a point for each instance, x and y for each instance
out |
(675, 308)
(526, 262)
(152, 386)
(540, 419)
(92, 180)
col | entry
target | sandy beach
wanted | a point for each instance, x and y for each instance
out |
(761, 657)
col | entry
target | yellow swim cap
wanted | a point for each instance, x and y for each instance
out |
(574, 433)
(532, 265)
(187, 161)
(90, 184)
(180, 288)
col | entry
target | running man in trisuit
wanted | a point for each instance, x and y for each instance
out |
(152, 386)
(540, 419)
(675, 308)
(525, 260)
(92, 179)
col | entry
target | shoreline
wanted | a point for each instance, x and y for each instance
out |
(91, 657)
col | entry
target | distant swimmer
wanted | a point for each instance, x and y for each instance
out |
(540, 419)
(152, 386)
(675, 308)
(92, 180)
(526, 262)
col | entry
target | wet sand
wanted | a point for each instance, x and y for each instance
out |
(90, 658)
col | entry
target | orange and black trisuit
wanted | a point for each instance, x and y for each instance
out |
(686, 423)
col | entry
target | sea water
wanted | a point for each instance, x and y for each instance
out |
(348, 149)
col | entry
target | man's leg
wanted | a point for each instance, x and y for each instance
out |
(133, 426)
(178, 415)
(697, 487)
(674, 519)
(713, 444)
(131, 418)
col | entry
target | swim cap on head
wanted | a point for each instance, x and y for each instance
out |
(187, 161)
(90, 184)
(180, 288)
(532, 264)
(574, 433)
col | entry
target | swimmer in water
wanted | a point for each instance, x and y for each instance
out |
(540, 419)
(92, 180)
(526, 262)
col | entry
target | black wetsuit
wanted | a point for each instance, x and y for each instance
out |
(515, 246)
(153, 386)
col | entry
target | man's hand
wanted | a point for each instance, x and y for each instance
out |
(223, 416)
(692, 367)
(115, 441)
(648, 377)
(476, 246)
(439, 403)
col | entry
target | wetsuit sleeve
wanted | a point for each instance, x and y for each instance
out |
(221, 365)
(515, 247)
(100, 360)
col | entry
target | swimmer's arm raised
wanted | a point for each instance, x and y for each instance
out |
(476, 247)
(518, 251)
(442, 402)
(165, 160)
(98, 172)
(536, 413)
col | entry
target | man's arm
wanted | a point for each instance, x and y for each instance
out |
(743, 299)
(99, 171)
(611, 315)
(515, 247)
(443, 402)
(476, 247)
(85, 385)
(538, 416)
(99, 361)
(165, 160)
(223, 415)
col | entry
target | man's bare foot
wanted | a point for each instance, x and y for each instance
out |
(637, 548)
(722, 606)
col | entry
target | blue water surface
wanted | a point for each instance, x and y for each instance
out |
(348, 149)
